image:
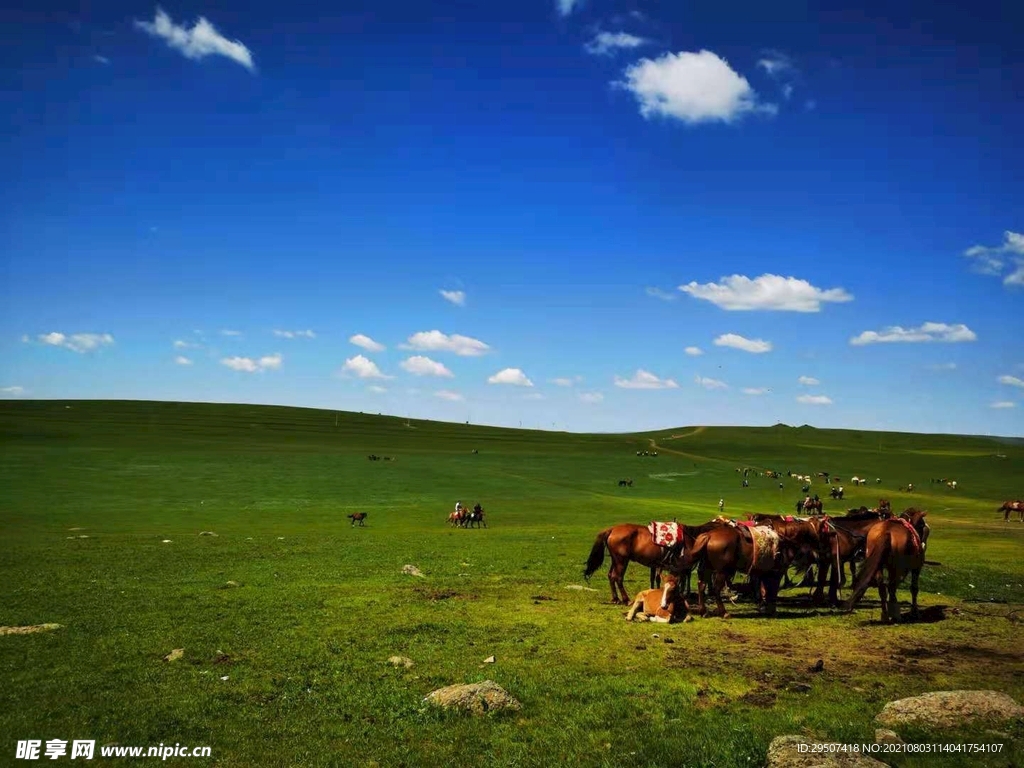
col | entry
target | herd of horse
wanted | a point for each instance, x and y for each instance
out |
(467, 518)
(764, 547)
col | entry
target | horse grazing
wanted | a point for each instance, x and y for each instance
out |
(358, 517)
(628, 541)
(1012, 506)
(658, 605)
(894, 548)
(628, 482)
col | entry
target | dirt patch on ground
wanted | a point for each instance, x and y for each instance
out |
(29, 630)
(435, 595)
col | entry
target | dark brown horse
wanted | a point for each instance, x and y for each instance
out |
(722, 552)
(845, 546)
(1012, 506)
(627, 542)
(894, 548)
(357, 517)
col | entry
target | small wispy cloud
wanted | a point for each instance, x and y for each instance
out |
(533, 396)
(231, 334)
(566, 7)
(377, 389)
(182, 344)
(607, 43)
(927, 332)
(566, 381)
(101, 59)
(591, 397)
(447, 394)
(424, 366)
(992, 260)
(777, 64)
(735, 341)
(76, 342)
(366, 343)
(645, 380)
(253, 365)
(295, 334)
(1012, 381)
(197, 43)
(458, 298)
(435, 341)
(12, 391)
(808, 381)
(363, 368)
(1003, 404)
(814, 400)
(694, 351)
(942, 367)
(660, 294)
(512, 376)
(182, 360)
(755, 390)
(707, 383)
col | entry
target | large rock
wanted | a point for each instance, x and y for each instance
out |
(477, 698)
(949, 709)
(784, 752)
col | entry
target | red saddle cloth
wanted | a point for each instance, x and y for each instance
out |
(666, 534)
(745, 524)
(915, 537)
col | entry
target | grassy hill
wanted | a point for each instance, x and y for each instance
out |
(320, 606)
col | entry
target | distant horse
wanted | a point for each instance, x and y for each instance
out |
(1012, 506)
(457, 518)
(836, 493)
(628, 482)
(628, 541)
(809, 505)
(894, 547)
(476, 516)
(357, 517)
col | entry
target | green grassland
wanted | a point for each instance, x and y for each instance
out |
(319, 607)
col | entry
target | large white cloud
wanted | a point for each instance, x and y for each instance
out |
(993, 260)
(197, 43)
(927, 332)
(513, 376)
(435, 341)
(692, 87)
(735, 341)
(767, 292)
(366, 343)
(77, 342)
(645, 380)
(363, 367)
(424, 366)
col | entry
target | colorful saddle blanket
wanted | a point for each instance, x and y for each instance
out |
(766, 548)
(914, 536)
(666, 534)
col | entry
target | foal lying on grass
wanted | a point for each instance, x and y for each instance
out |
(658, 605)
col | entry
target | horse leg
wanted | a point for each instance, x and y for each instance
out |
(824, 572)
(883, 596)
(894, 603)
(915, 575)
(718, 583)
(771, 589)
(655, 577)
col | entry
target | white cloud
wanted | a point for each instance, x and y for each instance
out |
(180, 344)
(377, 389)
(776, 64)
(424, 366)
(1004, 404)
(1013, 381)
(565, 381)
(814, 400)
(512, 376)
(197, 43)
(925, 333)
(710, 383)
(660, 294)
(363, 368)
(694, 351)
(366, 343)
(447, 394)
(992, 260)
(767, 292)
(692, 87)
(606, 43)
(591, 397)
(754, 346)
(12, 391)
(182, 360)
(230, 333)
(645, 380)
(455, 297)
(755, 391)
(248, 365)
(101, 59)
(435, 341)
(295, 334)
(77, 342)
(566, 7)
(787, 91)
(808, 381)
(943, 367)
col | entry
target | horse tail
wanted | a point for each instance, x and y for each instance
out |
(871, 567)
(596, 553)
(693, 556)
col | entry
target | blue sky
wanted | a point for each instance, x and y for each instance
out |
(826, 203)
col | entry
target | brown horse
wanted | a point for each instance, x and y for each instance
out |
(894, 547)
(357, 517)
(626, 542)
(658, 605)
(846, 546)
(814, 506)
(722, 552)
(1012, 506)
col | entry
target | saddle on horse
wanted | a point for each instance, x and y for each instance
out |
(668, 536)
